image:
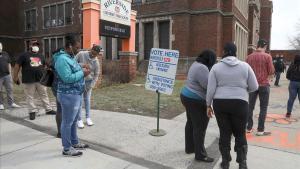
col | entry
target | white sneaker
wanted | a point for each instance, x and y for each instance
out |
(80, 124)
(263, 133)
(1, 107)
(89, 122)
(14, 105)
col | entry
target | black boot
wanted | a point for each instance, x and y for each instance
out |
(225, 164)
(226, 157)
(242, 157)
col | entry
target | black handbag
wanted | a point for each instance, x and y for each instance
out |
(47, 78)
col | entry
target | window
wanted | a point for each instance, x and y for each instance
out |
(164, 34)
(68, 13)
(108, 48)
(53, 15)
(30, 20)
(119, 47)
(241, 41)
(60, 43)
(57, 14)
(148, 39)
(137, 37)
(60, 15)
(47, 17)
(51, 44)
(46, 48)
(27, 42)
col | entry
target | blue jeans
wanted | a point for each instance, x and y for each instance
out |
(294, 90)
(6, 81)
(87, 103)
(70, 106)
(263, 92)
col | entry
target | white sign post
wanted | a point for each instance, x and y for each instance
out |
(161, 77)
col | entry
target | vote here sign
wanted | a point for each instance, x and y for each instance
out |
(162, 70)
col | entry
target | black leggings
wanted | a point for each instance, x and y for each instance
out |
(196, 125)
(231, 116)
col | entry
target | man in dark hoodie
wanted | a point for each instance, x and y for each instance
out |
(293, 74)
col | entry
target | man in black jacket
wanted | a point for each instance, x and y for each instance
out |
(279, 68)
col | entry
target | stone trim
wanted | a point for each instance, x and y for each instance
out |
(191, 12)
(125, 53)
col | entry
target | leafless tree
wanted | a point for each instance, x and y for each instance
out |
(295, 41)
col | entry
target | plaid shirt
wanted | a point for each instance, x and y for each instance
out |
(262, 65)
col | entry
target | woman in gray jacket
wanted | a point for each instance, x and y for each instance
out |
(193, 96)
(229, 84)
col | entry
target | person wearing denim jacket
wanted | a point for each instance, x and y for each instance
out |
(89, 58)
(70, 86)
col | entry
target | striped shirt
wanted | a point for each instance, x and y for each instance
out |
(262, 65)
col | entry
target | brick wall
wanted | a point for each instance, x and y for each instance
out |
(287, 54)
(266, 20)
(204, 33)
(181, 30)
(228, 30)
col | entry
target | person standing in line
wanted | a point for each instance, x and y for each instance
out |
(261, 63)
(293, 74)
(89, 58)
(6, 80)
(54, 91)
(70, 86)
(279, 68)
(229, 84)
(33, 65)
(193, 96)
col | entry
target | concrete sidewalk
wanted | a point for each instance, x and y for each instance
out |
(25, 148)
(120, 140)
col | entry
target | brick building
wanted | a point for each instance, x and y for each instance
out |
(288, 55)
(186, 25)
(47, 21)
(193, 25)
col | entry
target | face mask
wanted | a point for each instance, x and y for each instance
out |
(35, 49)
(1, 48)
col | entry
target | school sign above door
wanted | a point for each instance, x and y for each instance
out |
(115, 18)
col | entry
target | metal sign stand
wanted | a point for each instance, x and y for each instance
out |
(158, 132)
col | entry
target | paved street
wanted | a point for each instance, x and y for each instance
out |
(120, 140)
